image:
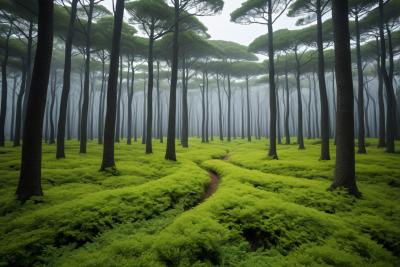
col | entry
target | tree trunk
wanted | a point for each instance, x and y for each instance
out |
(149, 148)
(28, 70)
(248, 109)
(170, 152)
(13, 109)
(361, 133)
(381, 104)
(389, 105)
(203, 112)
(85, 106)
(300, 139)
(221, 135)
(229, 109)
(18, 118)
(118, 125)
(101, 107)
(207, 115)
(272, 98)
(345, 160)
(130, 98)
(53, 96)
(287, 107)
(144, 115)
(46, 131)
(66, 83)
(30, 177)
(4, 91)
(109, 128)
(322, 89)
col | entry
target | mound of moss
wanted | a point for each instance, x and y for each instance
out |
(140, 214)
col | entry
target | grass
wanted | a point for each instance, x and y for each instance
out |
(144, 213)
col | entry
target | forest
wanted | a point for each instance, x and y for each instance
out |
(132, 136)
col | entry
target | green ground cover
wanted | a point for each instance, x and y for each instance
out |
(144, 213)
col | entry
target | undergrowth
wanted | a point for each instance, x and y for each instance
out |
(134, 214)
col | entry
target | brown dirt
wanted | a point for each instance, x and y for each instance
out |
(226, 158)
(212, 187)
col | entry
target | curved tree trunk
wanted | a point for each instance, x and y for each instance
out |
(345, 159)
(66, 83)
(31, 162)
(109, 128)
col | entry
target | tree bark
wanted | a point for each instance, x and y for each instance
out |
(381, 105)
(30, 177)
(389, 105)
(361, 133)
(170, 152)
(272, 97)
(109, 128)
(18, 117)
(85, 106)
(300, 139)
(221, 135)
(53, 97)
(66, 83)
(345, 160)
(149, 148)
(118, 125)
(248, 109)
(322, 89)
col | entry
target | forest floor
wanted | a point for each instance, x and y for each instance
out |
(146, 212)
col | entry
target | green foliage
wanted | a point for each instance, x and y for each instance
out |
(138, 218)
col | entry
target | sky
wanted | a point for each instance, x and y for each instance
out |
(220, 27)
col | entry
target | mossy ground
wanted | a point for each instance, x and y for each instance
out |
(135, 215)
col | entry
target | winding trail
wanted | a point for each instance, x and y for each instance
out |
(214, 183)
(250, 234)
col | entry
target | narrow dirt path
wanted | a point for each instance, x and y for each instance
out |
(214, 183)
(249, 235)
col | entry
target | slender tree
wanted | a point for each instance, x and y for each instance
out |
(109, 127)
(260, 12)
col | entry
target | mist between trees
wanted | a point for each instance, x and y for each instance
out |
(221, 89)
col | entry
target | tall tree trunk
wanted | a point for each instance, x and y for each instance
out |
(85, 106)
(322, 89)
(391, 69)
(80, 108)
(18, 118)
(361, 133)
(185, 119)
(203, 113)
(4, 91)
(309, 109)
(170, 152)
(109, 128)
(287, 107)
(28, 70)
(221, 135)
(229, 108)
(46, 131)
(69, 127)
(130, 98)
(381, 137)
(149, 148)
(300, 139)
(248, 109)
(101, 107)
(144, 115)
(316, 109)
(389, 105)
(207, 115)
(53, 97)
(272, 97)
(278, 121)
(118, 125)
(242, 117)
(30, 176)
(345, 160)
(66, 83)
(13, 109)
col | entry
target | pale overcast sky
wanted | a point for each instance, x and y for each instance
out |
(220, 27)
